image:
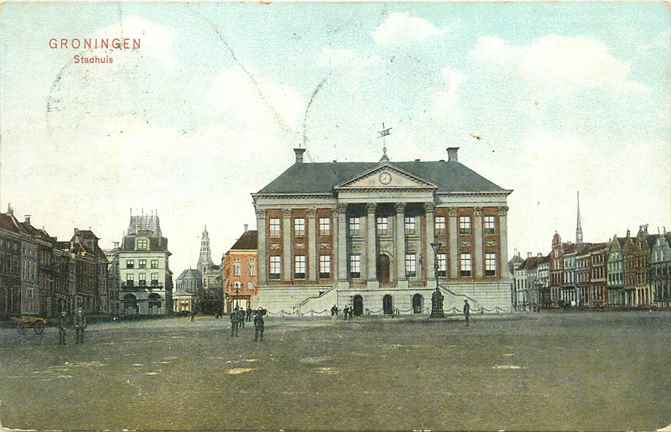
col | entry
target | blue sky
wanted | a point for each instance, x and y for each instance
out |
(565, 96)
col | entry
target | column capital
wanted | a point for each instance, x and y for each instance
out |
(452, 212)
(400, 207)
(311, 212)
(259, 212)
(429, 207)
(286, 212)
(477, 211)
(370, 207)
(503, 211)
(341, 208)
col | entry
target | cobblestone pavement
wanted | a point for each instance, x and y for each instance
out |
(573, 371)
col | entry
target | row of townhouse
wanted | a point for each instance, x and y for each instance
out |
(40, 275)
(630, 271)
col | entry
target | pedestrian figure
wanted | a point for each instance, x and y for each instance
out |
(345, 313)
(467, 311)
(80, 325)
(193, 314)
(241, 318)
(234, 323)
(249, 313)
(62, 318)
(258, 325)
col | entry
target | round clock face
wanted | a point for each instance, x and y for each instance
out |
(385, 178)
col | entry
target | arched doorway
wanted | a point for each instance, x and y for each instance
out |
(357, 303)
(417, 303)
(387, 305)
(130, 305)
(383, 269)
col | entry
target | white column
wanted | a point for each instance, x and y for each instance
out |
(371, 249)
(286, 245)
(341, 243)
(261, 252)
(400, 246)
(454, 243)
(312, 245)
(429, 209)
(478, 258)
(503, 241)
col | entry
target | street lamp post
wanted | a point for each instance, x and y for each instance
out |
(437, 296)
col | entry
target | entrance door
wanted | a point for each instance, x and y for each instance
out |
(387, 305)
(383, 269)
(417, 301)
(357, 302)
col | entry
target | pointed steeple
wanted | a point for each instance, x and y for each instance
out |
(578, 227)
(205, 256)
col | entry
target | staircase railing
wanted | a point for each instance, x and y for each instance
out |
(306, 300)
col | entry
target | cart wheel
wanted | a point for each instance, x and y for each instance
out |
(39, 327)
(20, 327)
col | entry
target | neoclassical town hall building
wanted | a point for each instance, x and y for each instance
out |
(360, 234)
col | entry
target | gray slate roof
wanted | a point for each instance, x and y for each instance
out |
(322, 177)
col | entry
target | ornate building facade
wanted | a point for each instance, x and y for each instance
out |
(146, 279)
(240, 271)
(360, 234)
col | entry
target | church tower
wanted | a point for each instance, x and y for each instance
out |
(578, 227)
(205, 257)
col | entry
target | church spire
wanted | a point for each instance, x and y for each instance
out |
(205, 256)
(578, 227)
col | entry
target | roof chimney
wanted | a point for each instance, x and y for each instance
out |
(452, 154)
(299, 154)
(246, 226)
(26, 219)
(10, 210)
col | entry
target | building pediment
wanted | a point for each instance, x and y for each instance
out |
(386, 176)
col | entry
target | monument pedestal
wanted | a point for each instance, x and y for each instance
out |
(437, 305)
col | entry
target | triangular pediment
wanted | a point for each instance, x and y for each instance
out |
(386, 176)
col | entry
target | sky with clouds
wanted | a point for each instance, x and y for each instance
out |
(565, 97)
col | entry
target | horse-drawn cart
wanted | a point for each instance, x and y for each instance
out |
(35, 322)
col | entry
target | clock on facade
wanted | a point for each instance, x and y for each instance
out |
(385, 178)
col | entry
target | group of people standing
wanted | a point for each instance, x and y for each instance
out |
(240, 315)
(79, 323)
(348, 312)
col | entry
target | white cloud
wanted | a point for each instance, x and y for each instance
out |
(402, 27)
(444, 100)
(552, 61)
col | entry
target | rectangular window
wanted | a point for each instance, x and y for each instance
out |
(275, 267)
(355, 266)
(325, 266)
(130, 263)
(442, 264)
(440, 225)
(465, 264)
(274, 227)
(251, 263)
(299, 266)
(130, 280)
(464, 225)
(490, 264)
(142, 263)
(236, 267)
(354, 225)
(410, 224)
(142, 279)
(299, 227)
(154, 279)
(411, 265)
(324, 226)
(490, 224)
(382, 225)
(154, 264)
(142, 244)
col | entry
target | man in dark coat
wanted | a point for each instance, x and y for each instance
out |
(258, 325)
(62, 318)
(241, 317)
(234, 322)
(467, 311)
(80, 325)
(250, 312)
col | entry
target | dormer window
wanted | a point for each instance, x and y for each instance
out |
(142, 244)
